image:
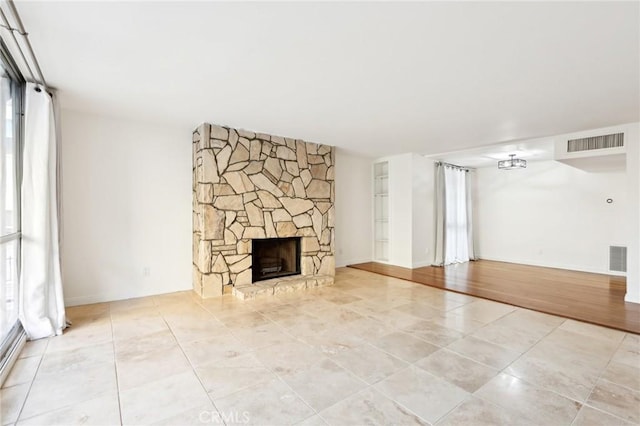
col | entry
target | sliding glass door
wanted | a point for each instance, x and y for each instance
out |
(10, 177)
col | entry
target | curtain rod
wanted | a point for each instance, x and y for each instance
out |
(25, 37)
(12, 30)
(442, 163)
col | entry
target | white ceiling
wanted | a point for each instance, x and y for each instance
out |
(375, 78)
(488, 156)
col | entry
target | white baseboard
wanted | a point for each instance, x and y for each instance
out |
(343, 263)
(112, 297)
(421, 264)
(553, 265)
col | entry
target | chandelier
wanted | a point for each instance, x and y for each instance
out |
(512, 163)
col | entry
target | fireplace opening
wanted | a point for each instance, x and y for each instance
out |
(275, 257)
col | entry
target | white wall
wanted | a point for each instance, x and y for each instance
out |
(550, 214)
(400, 210)
(411, 221)
(126, 207)
(354, 209)
(423, 235)
(632, 142)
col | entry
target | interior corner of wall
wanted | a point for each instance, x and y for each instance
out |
(632, 296)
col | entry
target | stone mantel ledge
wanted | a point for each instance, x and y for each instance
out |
(249, 185)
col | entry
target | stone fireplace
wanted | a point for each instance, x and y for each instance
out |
(250, 189)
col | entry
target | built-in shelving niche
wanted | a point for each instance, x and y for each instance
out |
(381, 210)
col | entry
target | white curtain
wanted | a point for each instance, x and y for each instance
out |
(454, 215)
(41, 300)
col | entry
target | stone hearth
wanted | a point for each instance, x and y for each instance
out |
(281, 285)
(250, 186)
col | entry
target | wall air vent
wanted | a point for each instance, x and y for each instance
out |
(615, 140)
(617, 258)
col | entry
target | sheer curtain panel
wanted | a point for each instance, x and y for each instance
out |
(454, 215)
(41, 300)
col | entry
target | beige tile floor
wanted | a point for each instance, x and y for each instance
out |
(368, 350)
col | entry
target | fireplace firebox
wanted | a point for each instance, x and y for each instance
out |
(275, 257)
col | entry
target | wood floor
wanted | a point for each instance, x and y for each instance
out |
(594, 298)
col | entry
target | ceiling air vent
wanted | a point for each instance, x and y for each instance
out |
(618, 258)
(596, 142)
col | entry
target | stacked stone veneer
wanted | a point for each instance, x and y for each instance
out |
(250, 185)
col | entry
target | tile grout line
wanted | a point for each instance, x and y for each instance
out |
(470, 394)
(384, 395)
(115, 364)
(439, 347)
(444, 416)
(619, 384)
(193, 367)
(287, 332)
(410, 364)
(33, 379)
(503, 370)
(277, 376)
(595, 384)
(391, 398)
(45, 352)
(627, 422)
(521, 354)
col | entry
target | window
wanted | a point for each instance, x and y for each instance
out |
(11, 89)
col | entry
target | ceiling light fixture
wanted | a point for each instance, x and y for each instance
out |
(512, 163)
